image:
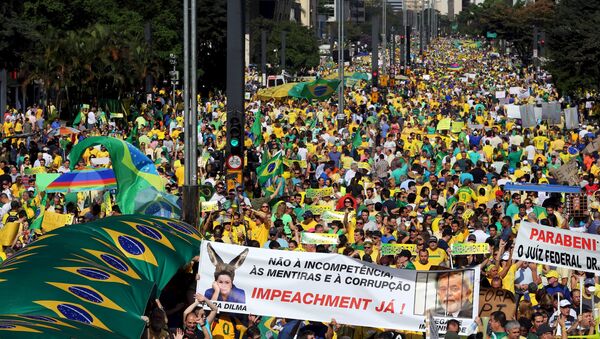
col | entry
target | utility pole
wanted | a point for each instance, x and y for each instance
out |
(282, 62)
(263, 56)
(190, 185)
(422, 28)
(392, 49)
(375, 50)
(341, 116)
(174, 77)
(384, 34)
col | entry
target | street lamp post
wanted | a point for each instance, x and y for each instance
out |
(190, 186)
(174, 77)
(340, 114)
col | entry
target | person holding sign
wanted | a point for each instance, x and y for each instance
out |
(454, 295)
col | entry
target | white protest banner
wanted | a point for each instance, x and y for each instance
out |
(528, 116)
(514, 90)
(557, 247)
(319, 286)
(469, 248)
(571, 118)
(500, 94)
(319, 238)
(537, 111)
(513, 111)
(523, 93)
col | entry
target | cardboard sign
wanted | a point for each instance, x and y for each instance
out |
(567, 173)
(500, 94)
(53, 220)
(592, 146)
(209, 206)
(496, 299)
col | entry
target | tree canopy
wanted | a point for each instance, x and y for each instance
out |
(574, 45)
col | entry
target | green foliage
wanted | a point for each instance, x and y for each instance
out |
(512, 23)
(574, 46)
(301, 52)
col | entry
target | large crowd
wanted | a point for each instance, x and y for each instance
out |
(390, 172)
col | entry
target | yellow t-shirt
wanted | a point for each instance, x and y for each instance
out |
(421, 267)
(437, 256)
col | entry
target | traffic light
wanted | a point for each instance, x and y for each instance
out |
(375, 78)
(235, 132)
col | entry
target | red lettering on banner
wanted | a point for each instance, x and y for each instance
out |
(344, 302)
(308, 298)
(310, 295)
(534, 233)
(319, 299)
(577, 242)
(566, 240)
(549, 237)
(275, 294)
(297, 298)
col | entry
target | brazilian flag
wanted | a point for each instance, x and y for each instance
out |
(320, 89)
(270, 168)
(257, 129)
(357, 140)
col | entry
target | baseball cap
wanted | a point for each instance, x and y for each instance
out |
(308, 214)
(543, 329)
(552, 274)
(499, 193)
(368, 202)
(433, 239)
(376, 234)
(589, 282)
(564, 303)
(289, 205)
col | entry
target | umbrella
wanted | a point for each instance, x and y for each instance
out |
(64, 130)
(84, 180)
(92, 280)
(454, 67)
